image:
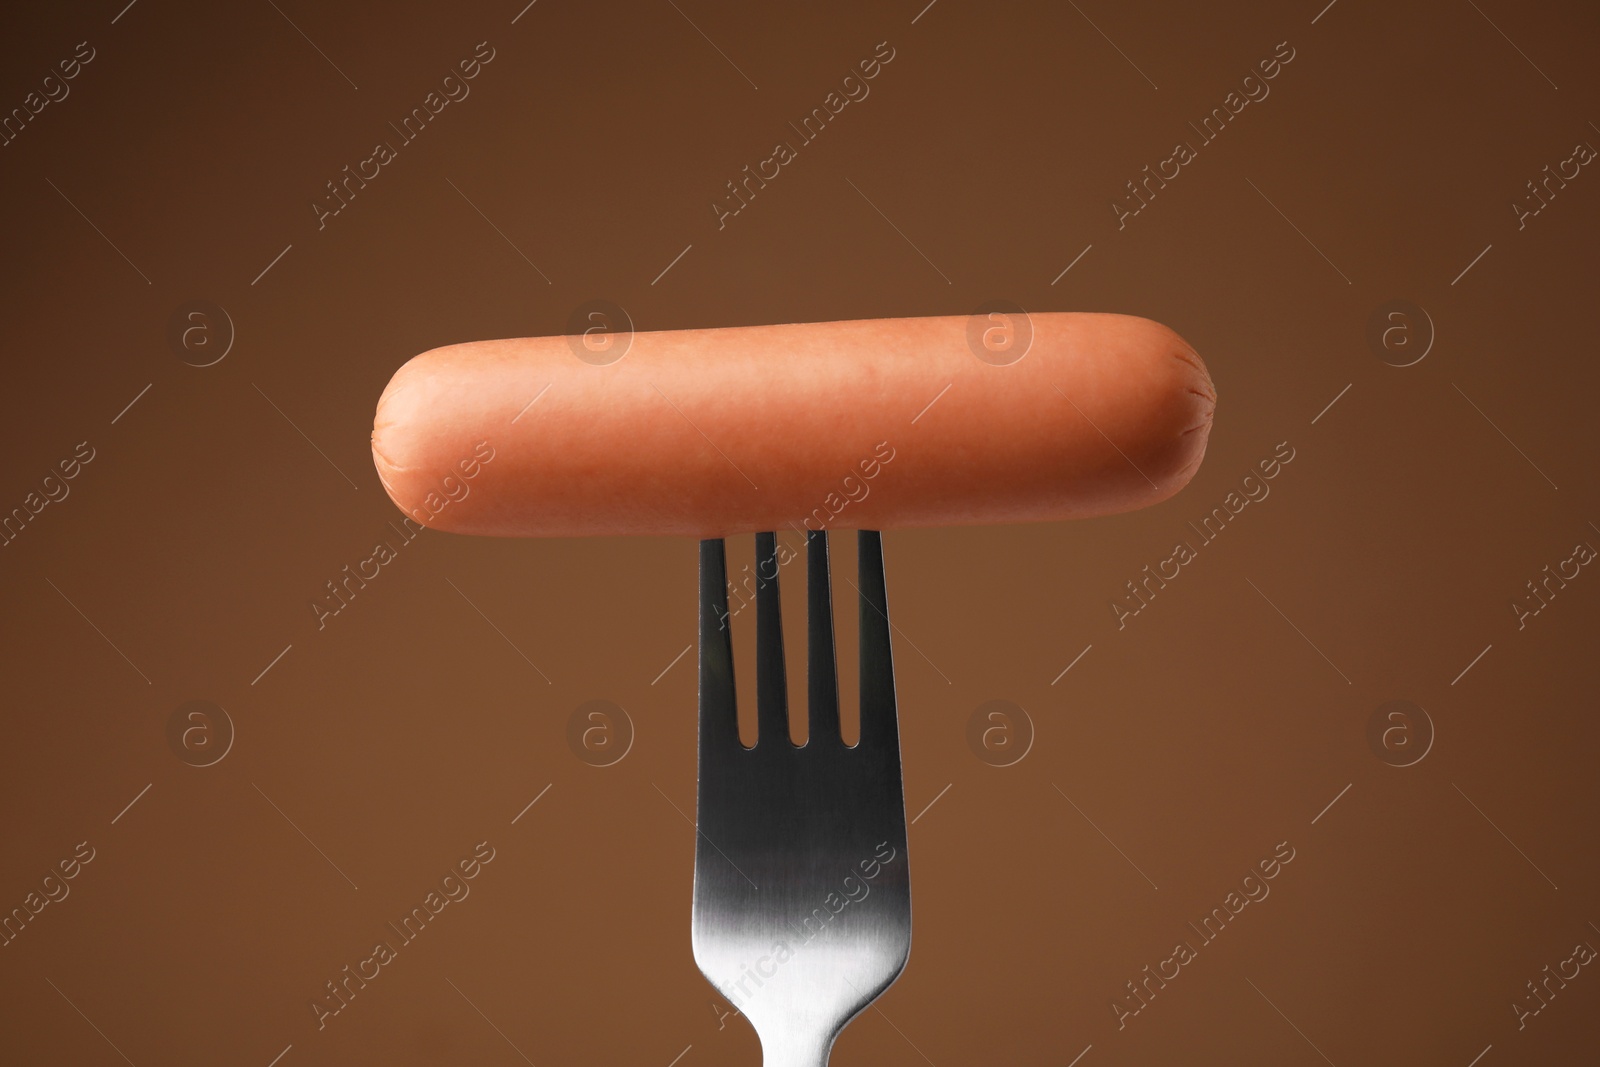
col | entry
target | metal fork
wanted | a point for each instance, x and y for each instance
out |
(802, 899)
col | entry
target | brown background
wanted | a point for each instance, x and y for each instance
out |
(1222, 720)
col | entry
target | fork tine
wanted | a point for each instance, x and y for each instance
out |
(878, 722)
(719, 719)
(772, 684)
(822, 674)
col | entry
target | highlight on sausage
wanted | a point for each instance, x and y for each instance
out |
(866, 424)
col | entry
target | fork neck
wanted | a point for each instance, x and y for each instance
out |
(796, 1051)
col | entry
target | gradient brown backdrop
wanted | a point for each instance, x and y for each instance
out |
(371, 755)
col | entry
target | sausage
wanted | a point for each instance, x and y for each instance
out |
(867, 424)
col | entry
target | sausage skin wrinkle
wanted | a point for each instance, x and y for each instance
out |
(870, 424)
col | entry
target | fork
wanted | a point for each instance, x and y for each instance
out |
(802, 898)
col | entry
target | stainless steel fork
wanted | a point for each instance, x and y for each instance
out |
(802, 898)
